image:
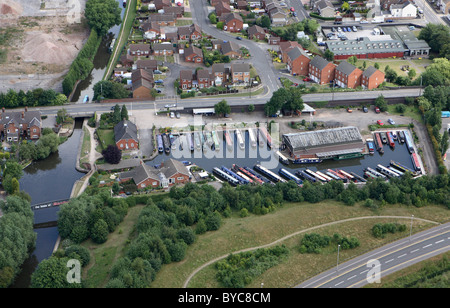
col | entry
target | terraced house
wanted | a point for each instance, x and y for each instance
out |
(20, 125)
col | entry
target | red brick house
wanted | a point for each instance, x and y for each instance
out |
(186, 78)
(221, 8)
(220, 73)
(347, 75)
(171, 172)
(231, 50)
(192, 32)
(166, 19)
(147, 64)
(256, 32)
(193, 54)
(285, 47)
(233, 22)
(240, 73)
(298, 62)
(371, 78)
(162, 4)
(139, 49)
(125, 135)
(321, 71)
(162, 49)
(20, 124)
(204, 78)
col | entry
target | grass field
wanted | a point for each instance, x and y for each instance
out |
(240, 233)
(106, 137)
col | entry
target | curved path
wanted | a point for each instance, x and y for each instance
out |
(294, 234)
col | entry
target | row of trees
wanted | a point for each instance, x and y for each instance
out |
(31, 98)
(17, 237)
(46, 145)
(284, 99)
(438, 37)
(314, 242)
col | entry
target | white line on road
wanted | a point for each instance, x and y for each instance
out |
(427, 246)
(389, 261)
(439, 241)
(338, 283)
(364, 271)
(413, 251)
(351, 277)
(402, 255)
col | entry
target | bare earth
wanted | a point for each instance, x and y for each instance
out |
(44, 43)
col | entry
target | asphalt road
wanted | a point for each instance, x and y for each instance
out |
(385, 260)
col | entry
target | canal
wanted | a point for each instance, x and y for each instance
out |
(86, 86)
(47, 180)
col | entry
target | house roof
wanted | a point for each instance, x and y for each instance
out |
(139, 47)
(171, 167)
(141, 74)
(204, 74)
(186, 74)
(147, 64)
(322, 4)
(369, 71)
(21, 117)
(230, 16)
(161, 46)
(255, 29)
(346, 67)
(141, 83)
(296, 52)
(143, 172)
(192, 50)
(140, 174)
(125, 130)
(240, 67)
(319, 62)
(218, 67)
(230, 47)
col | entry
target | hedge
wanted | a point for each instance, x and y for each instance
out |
(83, 63)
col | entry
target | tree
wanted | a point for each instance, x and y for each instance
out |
(117, 116)
(444, 142)
(61, 115)
(102, 15)
(412, 73)
(345, 6)
(251, 108)
(329, 55)
(124, 113)
(112, 154)
(381, 103)
(99, 233)
(264, 21)
(222, 107)
(213, 18)
(52, 273)
(376, 65)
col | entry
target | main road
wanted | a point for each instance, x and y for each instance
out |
(373, 266)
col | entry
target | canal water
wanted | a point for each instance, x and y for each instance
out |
(263, 155)
(47, 180)
(86, 86)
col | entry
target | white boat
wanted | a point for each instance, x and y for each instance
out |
(252, 136)
(240, 139)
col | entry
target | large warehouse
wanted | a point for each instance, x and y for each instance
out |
(336, 143)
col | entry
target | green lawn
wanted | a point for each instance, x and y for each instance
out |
(106, 137)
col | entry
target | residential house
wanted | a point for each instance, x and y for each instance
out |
(231, 50)
(147, 64)
(139, 49)
(126, 135)
(347, 75)
(233, 22)
(325, 8)
(193, 54)
(220, 73)
(119, 71)
(205, 78)
(222, 7)
(385, 5)
(406, 10)
(217, 44)
(256, 32)
(161, 4)
(321, 71)
(162, 49)
(142, 83)
(186, 79)
(152, 30)
(298, 62)
(178, 11)
(371, 78)
(254, 4)
(171, 172)
(20, 124)
(192, 32)
(241, 5)
(127, 60)
(274, 40)
(240, 73)
(163, 19)
(277, 16)
(285, 47)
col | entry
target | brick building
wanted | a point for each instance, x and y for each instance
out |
(20, 125)
(321, 71)
(371, 78)
(125, 135)
(347, 75)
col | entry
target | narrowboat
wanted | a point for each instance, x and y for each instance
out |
(290, 176)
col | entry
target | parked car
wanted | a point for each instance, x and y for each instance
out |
(178, 115)
(333, 29)
(344, 29)
(349, 110)
(349, 29)
(380, 123)
(292, 9)
(239, 38)
(365, 109)
(392, 122)
(354, 29)
(172, 115)
(377, 110)
(307, 79)
(294, 14)
(389, 20)
(363, 22)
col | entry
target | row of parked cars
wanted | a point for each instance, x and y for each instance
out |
(344, 29)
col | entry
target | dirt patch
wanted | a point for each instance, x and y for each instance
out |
(8, 7)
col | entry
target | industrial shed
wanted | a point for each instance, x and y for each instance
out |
(336, 143)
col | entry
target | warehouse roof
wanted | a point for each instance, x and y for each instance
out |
(365, 46)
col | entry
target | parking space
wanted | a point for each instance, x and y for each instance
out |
(343, 31)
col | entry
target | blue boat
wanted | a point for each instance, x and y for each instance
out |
(371, 146)
(290, 176)
(225, 176)
(305, 176)
(307, 161)
(237, 177)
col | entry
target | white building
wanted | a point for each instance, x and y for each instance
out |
(405, 10)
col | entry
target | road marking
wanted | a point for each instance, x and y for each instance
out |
(427, 246)
(401, 256)
(413, 251)
(389, 261)
(338, 283)
(439, 241)
(364, 271)
(351, 277)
